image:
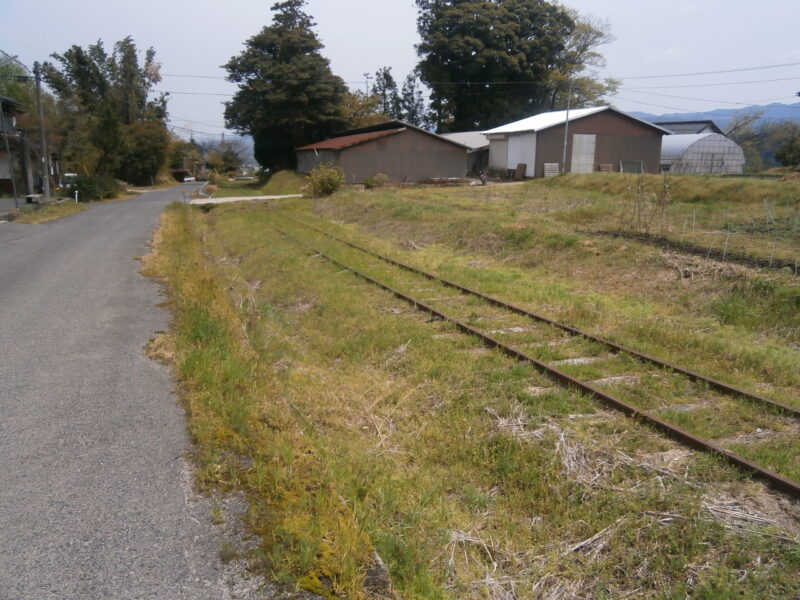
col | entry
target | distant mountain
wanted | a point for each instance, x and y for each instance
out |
(723, 116)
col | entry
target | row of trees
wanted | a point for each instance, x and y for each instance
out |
(485, 62)
(765, 143)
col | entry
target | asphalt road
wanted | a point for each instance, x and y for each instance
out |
(94, 494)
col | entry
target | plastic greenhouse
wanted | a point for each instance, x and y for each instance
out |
(701, 153)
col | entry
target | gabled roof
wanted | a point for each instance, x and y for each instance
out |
(559, 117)
(346, 141)
(673, 146)
(474, 140)
(689, 127)
(353, 137)
(11, 106)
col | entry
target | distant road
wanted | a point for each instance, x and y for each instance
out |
(93, 491)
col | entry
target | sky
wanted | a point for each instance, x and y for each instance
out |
(655, 41)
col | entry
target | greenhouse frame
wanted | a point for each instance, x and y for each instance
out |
(701, 154)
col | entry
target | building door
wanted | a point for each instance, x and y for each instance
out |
(522, 150)
(582, 153)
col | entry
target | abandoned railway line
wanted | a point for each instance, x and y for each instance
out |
(700, 412)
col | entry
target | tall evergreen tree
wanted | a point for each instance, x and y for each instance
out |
(385, 89)
(412, 102)
(287, 94)
(489, 61)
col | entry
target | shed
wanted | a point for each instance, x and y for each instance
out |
(10, 141)
(701, 153)
(478, 153)
(686, 127)
(402, 152)
(599, 138)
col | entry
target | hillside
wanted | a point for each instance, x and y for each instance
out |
(723, 116)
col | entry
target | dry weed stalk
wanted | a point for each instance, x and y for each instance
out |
(594, 545)
(550, 587)
(516, 424)
(500, 588)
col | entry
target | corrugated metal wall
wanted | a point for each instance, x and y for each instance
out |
(308, 159)
(522, 150)
(405, 157)
(618, 138)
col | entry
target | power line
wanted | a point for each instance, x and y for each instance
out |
(206, 123)
(709, 112)
(193, 93)
(635, 91)
(193, 132)
(740, 70)
(696, 85)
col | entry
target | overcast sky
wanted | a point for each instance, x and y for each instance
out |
(653, 38)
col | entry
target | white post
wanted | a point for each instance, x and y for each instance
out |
(566, 127)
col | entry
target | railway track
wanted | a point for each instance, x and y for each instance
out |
(641, 386)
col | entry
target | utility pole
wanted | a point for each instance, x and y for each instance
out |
(367, 77)
(37, 72)
(566, 127)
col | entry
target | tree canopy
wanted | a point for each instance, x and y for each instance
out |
(287, 94)
(489, 62)
(108, 124)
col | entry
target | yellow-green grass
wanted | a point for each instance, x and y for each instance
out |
(351, 425)
(280, 183)
(754, 217)
(717, 420)
(48, 212)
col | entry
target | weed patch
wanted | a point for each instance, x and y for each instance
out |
(354, 424)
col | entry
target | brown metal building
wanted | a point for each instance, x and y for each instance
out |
(402, 152)
(599, 138)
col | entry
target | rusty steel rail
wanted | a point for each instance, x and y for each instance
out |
(775, 480)
(720, 386)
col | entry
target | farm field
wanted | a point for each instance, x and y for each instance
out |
(358, 426)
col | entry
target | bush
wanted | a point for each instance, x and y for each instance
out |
(376, 181)
(325, 179)
(98, 187)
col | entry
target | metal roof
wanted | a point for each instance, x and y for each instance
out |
(353, 137)
(687, 127)
(474, 140)
(346, 141)
(673, 146)
(559, 117)
(11, 106)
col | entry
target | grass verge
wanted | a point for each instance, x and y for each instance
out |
(353, 423)
(48, 212)
(279, 184)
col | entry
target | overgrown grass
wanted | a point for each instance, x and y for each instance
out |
(353, 422)
(753, 217)
(48, 212)
(279, 184)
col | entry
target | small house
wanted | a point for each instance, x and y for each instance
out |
(402, 152)
(701, 154)
(597, 139)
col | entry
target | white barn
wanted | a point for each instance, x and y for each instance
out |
(701, 154)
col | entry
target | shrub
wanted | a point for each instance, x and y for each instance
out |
(376, 181)
(325, 179)
(98, 187)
